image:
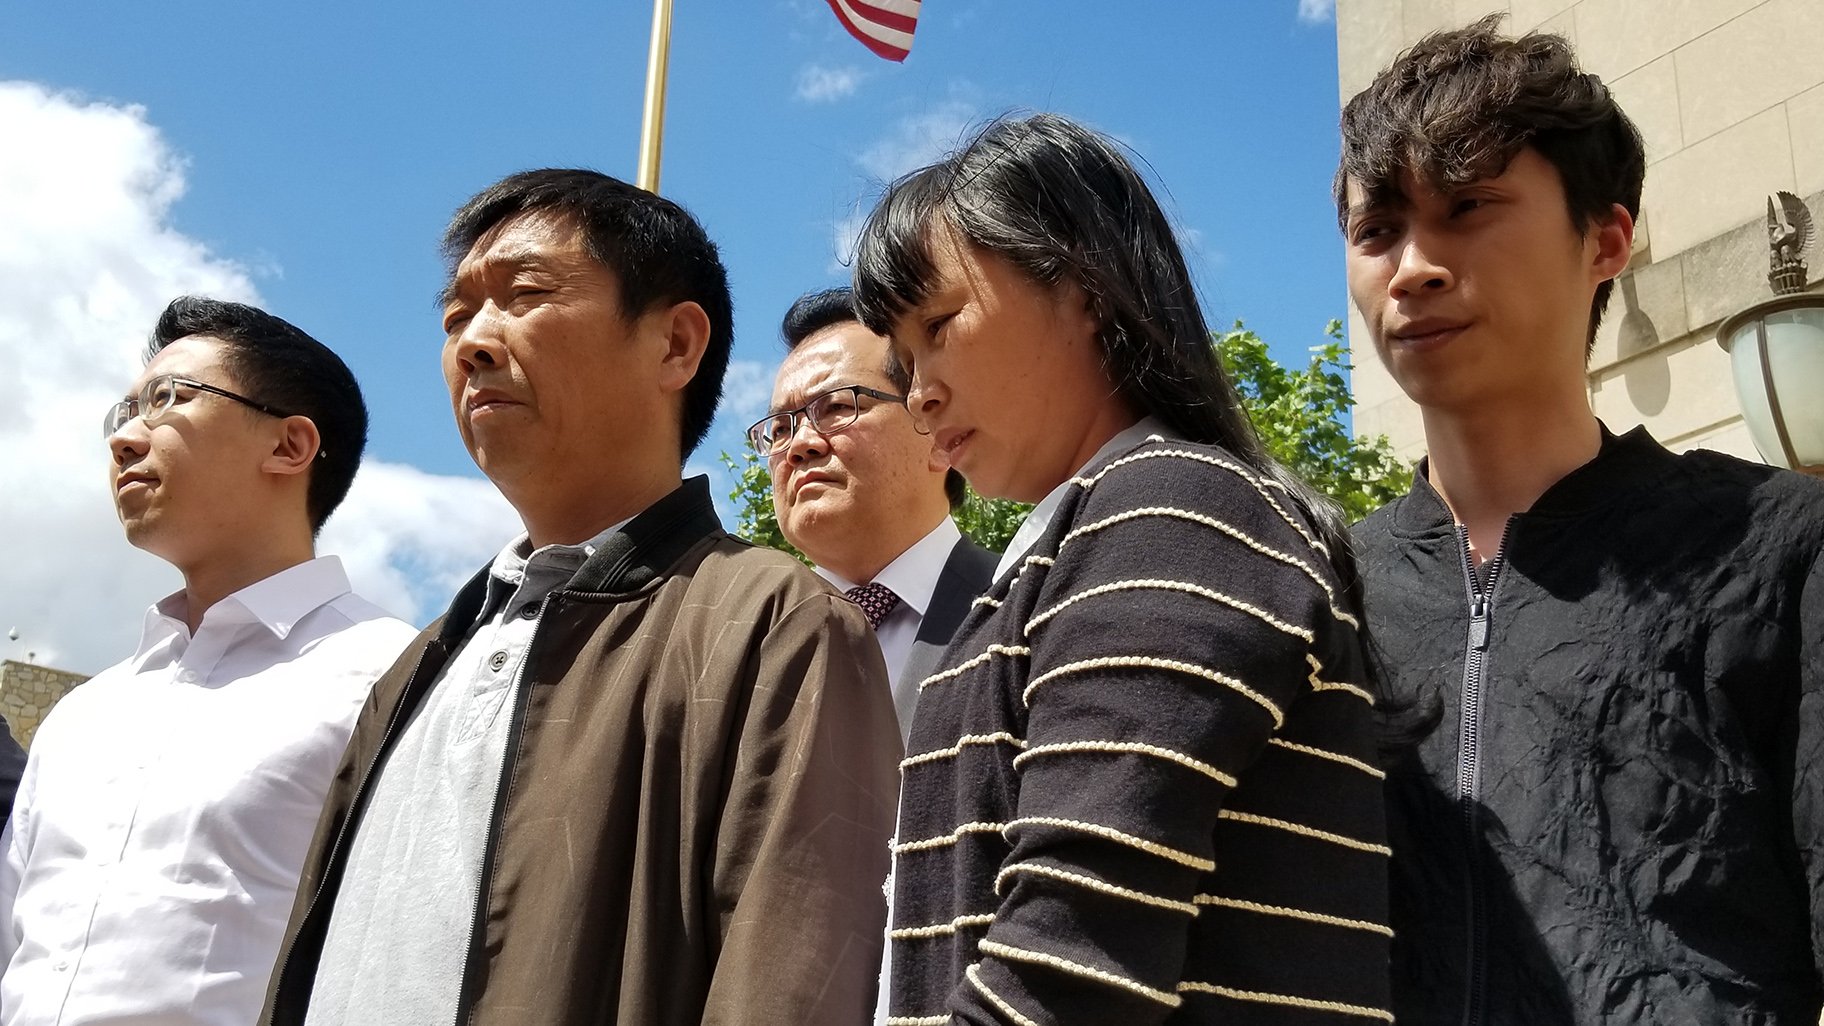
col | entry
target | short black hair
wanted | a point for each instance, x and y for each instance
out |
(276, 363)
(656, 250)
(814, 312)
(1459, 106)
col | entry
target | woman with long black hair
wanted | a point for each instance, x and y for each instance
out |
(1140, 786)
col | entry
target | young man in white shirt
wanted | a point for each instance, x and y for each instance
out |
(863, 494)
(155, 844)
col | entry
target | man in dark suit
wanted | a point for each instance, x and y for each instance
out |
(863, 494)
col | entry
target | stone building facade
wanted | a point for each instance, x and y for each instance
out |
(1729, 96)
(28, 691)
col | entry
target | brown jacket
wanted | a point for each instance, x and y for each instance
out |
(696, 803)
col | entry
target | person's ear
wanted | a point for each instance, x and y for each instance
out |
(1612, 242)
(686, 330)
(294, 448)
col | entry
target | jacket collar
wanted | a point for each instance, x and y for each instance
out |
(626, 560)
(1622, 466)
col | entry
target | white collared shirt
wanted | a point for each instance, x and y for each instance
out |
(167, 804)
(1033, 527)
(913, 577)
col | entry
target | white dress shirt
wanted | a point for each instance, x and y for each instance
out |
(154, 848)
(913, 577)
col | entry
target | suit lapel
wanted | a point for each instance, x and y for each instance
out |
(966, 574)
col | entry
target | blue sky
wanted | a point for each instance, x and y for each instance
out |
(309, 155)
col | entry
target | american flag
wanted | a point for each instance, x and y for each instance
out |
(883, 26)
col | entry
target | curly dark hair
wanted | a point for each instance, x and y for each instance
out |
(1459, 105)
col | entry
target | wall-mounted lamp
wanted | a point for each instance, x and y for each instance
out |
(1776, 348)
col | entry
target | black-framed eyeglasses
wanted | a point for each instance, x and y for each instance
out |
(157, 397)
(829, 413)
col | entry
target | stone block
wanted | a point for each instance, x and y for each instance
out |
(1712, 186)
(1420, 17)
(1646, 310)
(1649, 94)
(1468, 11)
(1805, 121)
(1399, 420)
(1726, 274)
(1615, 37)
(1674, 390)
(1564, 23)
(1368, 38)
(1748, 64)
(1730, 437)
(1530, 14)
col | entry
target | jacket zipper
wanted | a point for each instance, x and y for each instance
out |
(477, 954)
(1469, 761)
(353, 817)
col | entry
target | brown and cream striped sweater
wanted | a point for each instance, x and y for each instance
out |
(1140, 785)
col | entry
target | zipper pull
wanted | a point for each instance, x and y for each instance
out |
(1478, 624)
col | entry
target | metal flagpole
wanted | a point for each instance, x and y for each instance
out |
(652, 126)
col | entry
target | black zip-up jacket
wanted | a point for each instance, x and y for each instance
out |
(1620, 818)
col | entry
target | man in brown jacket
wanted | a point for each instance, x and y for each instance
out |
(639, 772)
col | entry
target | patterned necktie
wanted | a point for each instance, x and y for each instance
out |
(875, 600)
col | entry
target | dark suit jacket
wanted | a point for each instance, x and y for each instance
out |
(967, 573)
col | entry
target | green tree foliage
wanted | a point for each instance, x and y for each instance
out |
(1298, 413)
(1299, 416)
(753, 499)
(990, 523)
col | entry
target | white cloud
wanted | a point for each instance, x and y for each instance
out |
(1316, 12)
(918, 140)
(410, 538)
(88, 257)
(820, 84)
(913, 142)
(747, 389)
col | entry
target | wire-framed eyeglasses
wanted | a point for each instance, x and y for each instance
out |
(157, 397)
(829, 413)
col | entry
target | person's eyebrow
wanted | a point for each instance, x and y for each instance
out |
(510, 262)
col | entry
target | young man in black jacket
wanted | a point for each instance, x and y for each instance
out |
(1619, 817)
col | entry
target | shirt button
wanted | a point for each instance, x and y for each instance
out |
(529, 611)
(499, 660)
(61, 966)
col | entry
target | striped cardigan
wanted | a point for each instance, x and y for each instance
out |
(1140, 786)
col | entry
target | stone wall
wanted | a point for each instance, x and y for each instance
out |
(1729, 97)
(27, 693)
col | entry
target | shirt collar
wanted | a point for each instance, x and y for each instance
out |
(1622, 468)
(913, 574)
(277, 602)
(549, 566)
(1033, 527)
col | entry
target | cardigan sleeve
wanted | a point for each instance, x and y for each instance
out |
(802, 842)
(1178, 623)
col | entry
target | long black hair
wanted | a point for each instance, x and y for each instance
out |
(1062, 203)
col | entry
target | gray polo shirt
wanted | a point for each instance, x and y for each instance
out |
(400, 929)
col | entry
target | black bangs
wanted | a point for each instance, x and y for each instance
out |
(893, 266)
